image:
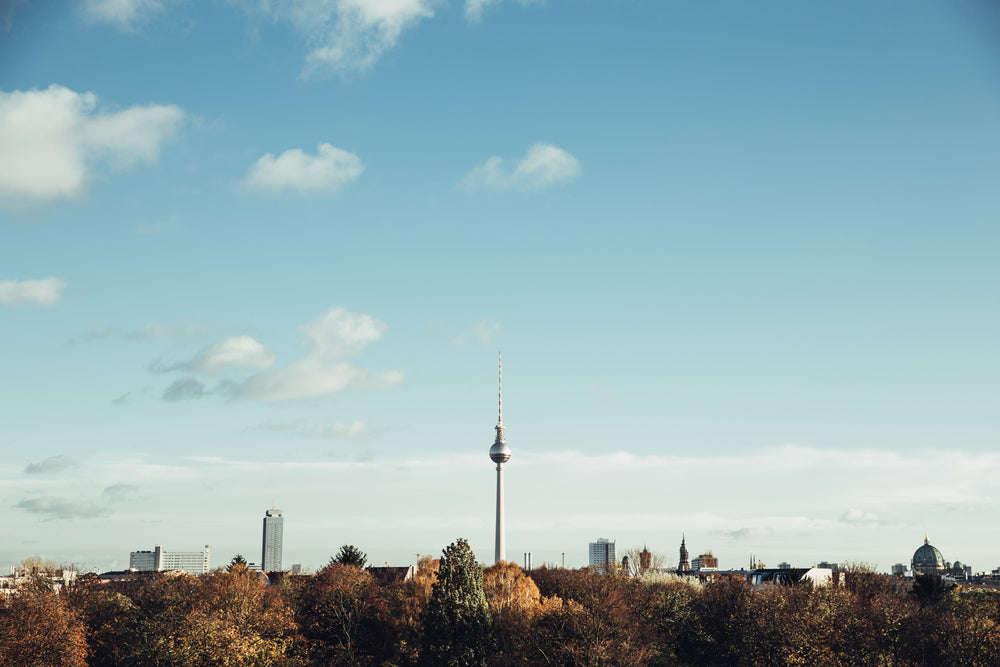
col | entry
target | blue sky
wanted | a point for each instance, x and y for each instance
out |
(740, 258)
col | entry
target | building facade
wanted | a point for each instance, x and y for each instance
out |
(705, 563)
(270, 558)
(161, 560)
(602, 554)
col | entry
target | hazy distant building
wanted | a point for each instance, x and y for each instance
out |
(161, 560)
(927, 559)
(899, 569)
(270, 559)
(784, 566)
(683, 565)
(602, 554)
(705, 563)
(645, 559)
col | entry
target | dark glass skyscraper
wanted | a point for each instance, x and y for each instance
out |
(270, 558)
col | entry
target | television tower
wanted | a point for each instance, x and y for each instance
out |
(500, 454)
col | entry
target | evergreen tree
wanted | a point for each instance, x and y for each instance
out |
(350, 555)
(457, 620)
(237, 564)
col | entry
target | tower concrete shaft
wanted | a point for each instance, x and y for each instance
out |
(500, 551)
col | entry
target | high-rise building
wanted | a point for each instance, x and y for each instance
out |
(270, 558)
(161, 560)
(602, 554)
(500, 454)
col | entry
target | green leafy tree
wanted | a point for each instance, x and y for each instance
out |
(457, 619)
(350, 555)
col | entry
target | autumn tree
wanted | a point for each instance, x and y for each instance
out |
(239, 619)
(113, 623)
(237, 563)
(457, 620)
(340, 614)
(510, 593)
(641, 561)
(350, 555)
(37, 627)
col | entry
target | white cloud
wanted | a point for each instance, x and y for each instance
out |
(474, 8)
(329, 340)
(51, 140)
(232, 353)
(43, 292)
(347, 36)
(123, 14)
(329, 170)
(543, 165)
(482, 333)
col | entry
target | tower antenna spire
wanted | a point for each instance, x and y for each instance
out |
(500, 387)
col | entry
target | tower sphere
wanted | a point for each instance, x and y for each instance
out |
(500, 452)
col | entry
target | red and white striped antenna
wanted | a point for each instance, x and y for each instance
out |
(500, 387)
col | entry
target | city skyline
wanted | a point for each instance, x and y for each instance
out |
(741, 261)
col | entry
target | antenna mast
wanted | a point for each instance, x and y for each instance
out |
(500, 387)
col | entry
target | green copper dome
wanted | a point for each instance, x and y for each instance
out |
(927, 559)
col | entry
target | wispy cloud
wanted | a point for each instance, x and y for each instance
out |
(184, 389)
(117, 493)
(52, 464)
(329, 170)
(55, 507)
(180, 332)
(481, 334)
(126, 15)
(474, 8)
(544, 165)
(330, 340)
(41, 292)
(52, 139)
(7, 9)
(349, 36)
(751, 532)
(233, 353)
(337, 429)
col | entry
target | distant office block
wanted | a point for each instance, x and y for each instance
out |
(784, 566)
(270, 559)
(161, 560)
(602, 554)
(705, 563)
